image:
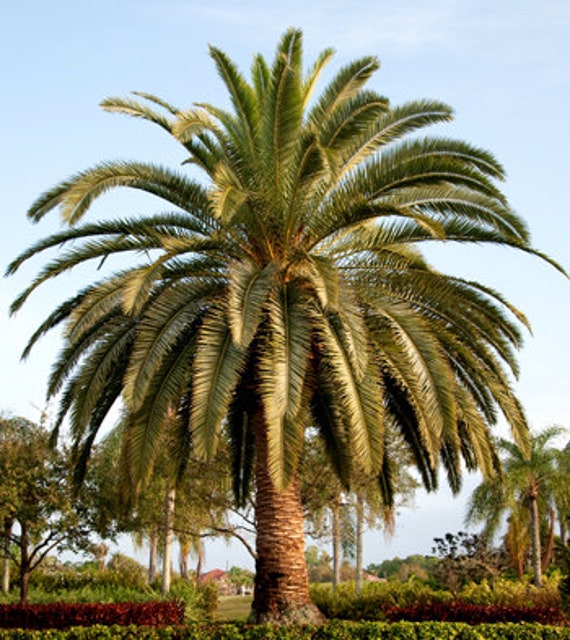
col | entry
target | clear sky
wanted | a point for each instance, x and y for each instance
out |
(503, 66)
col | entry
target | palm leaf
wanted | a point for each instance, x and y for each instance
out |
(218, 364)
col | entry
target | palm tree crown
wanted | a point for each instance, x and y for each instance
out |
(288, 289)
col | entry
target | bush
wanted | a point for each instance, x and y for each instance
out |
(345, 604)
(409, 601)
(474, 613)
(62, 615)
(514, 593)
(331, 631)
(122, 572)
(200, 601)
(123, 580)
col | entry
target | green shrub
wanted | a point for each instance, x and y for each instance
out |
(514, 593)
(345, 604)
(331, 631)
(122, 571)
(200, 601)
(563, 552)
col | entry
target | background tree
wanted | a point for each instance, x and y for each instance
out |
(241, 579)
(561, 492)
(319, 563)
(414, 566)
(201, 508)
(37, 504)
(466, 557)
(526, 492)
(288, 291)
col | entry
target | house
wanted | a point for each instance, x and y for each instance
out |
(221, 579)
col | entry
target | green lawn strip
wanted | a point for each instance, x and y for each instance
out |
(233, 608)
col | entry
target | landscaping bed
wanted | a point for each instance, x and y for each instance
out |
(335, 630)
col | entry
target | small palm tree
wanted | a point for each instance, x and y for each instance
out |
(288, 291)
(526, 491)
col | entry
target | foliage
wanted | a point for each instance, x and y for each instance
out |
(564, 561)
(458, 611)
(464, 558)
(130, 572)
(122, 575)
(514, 593)
(38, 508)
(416, 566)
(335, 630)
(240, 577)
(377, 598)
(345, 603)
(529, 491)
(64, 615)
(318, 564)
(123, 582)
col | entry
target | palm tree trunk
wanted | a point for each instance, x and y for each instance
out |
(359, 542)
(535, 538)
(153, 553)
(336, 544)
(549, 551)
(169, 506)
(281, 593)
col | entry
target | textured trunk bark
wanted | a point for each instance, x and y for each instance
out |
(336, 545)
(169, 506)
(535, 538)
(549, 550)
(281, 593)
(153, 554)
(24, 585)
(359, 542)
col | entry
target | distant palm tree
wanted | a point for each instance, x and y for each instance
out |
(526, 492)
(562, 492)
(288, 291)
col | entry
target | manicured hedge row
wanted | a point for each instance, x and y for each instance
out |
(373, 607)
(332, 631)
(474, 613)
(60, 615)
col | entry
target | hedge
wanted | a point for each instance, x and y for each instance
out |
(61, 615)
(335, 630)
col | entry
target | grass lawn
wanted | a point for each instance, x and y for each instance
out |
(233, 608)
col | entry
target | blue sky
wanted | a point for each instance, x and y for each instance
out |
(503, 66)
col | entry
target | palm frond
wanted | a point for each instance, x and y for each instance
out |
(282, 369)
(218, 364)
(136, 109)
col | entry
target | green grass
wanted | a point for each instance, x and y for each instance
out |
(233, 608)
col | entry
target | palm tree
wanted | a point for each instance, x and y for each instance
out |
(288, 290)
(561, 493)
(527, 492)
